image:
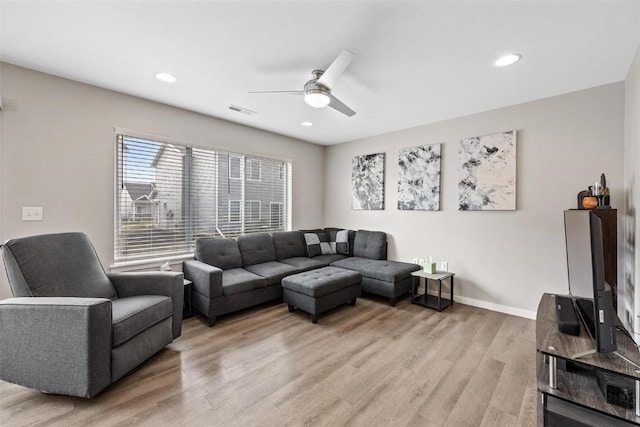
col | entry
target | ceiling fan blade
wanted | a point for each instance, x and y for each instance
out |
(336, 68)
(340, 106)
(281, 92)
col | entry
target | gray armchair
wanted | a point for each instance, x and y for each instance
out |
(73, 329)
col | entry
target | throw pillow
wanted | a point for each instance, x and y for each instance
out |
(342, 242)
(317, 244)
(339, 241)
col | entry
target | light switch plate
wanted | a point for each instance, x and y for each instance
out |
(32, 213)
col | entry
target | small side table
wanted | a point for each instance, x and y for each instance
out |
(187, 309)
(426, 300)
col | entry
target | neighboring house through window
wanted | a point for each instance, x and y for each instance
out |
(169, 194)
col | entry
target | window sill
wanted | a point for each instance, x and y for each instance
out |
(148, 264)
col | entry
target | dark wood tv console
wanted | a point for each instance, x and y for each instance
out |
(567, 387)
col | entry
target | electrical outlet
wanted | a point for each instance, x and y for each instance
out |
(32, 213)
(414, 260)
(444, 266)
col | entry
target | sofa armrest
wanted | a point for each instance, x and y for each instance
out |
(207, 279)
(165, 283)
(58, 345)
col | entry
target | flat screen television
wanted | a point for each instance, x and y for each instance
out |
(588, 289)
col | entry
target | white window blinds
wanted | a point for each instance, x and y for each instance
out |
(168, 195)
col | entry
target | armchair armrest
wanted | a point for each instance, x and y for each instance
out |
(207, 279)
(153, 283)
(59, 345)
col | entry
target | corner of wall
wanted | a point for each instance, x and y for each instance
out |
(629, 312)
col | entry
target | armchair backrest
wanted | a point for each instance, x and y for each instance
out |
(55, 265)
(219, 252)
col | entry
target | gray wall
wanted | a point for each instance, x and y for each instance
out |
(631, 219)
(58, 152)
(502, 260)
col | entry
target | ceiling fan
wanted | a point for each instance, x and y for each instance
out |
(317, 91)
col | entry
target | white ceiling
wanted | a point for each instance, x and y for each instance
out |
(416, 62)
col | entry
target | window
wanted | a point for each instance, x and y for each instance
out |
(254, 170)
(235, 169)
(235, 215)
(282, 171)
(276, 218)
(169, 194)
(253, 211)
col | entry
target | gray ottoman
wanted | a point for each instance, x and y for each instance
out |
(317, 291)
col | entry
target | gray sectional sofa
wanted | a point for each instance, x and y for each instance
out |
(229, 274)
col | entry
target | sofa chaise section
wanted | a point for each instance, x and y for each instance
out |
(390, 279)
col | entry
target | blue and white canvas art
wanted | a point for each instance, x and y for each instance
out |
(419, 178)
(367, 182)
(487, 172)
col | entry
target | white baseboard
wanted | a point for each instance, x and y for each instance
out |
(489, 305)
(496, 307)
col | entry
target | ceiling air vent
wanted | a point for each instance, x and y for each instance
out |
(242, 110)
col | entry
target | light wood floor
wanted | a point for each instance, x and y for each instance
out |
(369, 365)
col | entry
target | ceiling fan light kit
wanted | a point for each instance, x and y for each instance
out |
(317, 91)
(316, 98)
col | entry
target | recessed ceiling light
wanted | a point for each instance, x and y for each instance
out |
(507, 60)
(307, 124)
(166, 77)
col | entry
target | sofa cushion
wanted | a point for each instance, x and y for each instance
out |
(370, 244)
(318, 244)
(256, 248)
(238, 280)
(219, 252)
(56, 265)
(273, 271)
(328, 259)
(304, 263)
(388, 271)
(133, 315)
(288, 244)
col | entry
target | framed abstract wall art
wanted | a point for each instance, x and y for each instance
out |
(487, 172)
(367, 182)
(419, 178)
